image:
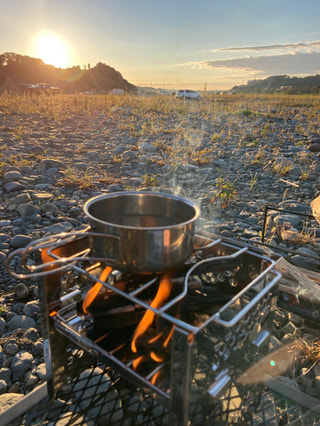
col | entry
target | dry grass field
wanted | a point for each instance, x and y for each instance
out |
(165, 121)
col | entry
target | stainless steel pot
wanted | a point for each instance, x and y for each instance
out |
(153, 231)
(142, 232)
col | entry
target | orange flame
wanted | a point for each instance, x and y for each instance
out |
(155, 338)
(137, 362)
(94, 290)
(156, 357)
(147, 319)
(155, 377)
(166, 342)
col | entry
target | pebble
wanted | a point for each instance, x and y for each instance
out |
(41, 372)
(31, 309)
(21, 291)
(20, 364)
(3, 386)
(2, 325)
(11, 347)
(19, 241)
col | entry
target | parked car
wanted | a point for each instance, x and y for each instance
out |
(188, 94)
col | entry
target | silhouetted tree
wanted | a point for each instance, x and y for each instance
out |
(27, 70)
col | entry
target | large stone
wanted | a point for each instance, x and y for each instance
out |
(41, 197)
(13, 186)
(11, 177)
(49, 208)
(291, 219)
(19, 241)
(21, 322)
(129, 155)
(21, 198)
(50, 163)
(314, 147)
(31, 308)
(27, 210)
(7, 400)
(147, 148)
(57, 228)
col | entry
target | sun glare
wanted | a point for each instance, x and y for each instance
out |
(52, 50)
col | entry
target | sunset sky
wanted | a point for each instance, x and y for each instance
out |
(169, 43)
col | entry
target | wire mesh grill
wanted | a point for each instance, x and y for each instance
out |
(99, 396)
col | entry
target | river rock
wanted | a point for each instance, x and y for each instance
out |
(12, 176)
(50, 163)
(13, 186)
(31, 309)
(27, 210)
(21, 291)
(7, 400)
(315, 206)
(19, 241)
(20, 199)
(20, 364)
(21, 322)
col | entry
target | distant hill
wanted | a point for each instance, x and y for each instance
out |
(24, 70)
(281, 83)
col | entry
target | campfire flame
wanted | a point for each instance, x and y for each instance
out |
(156, 357)
(137, 362)
(94, 290)
(155, 377)
(163, 293)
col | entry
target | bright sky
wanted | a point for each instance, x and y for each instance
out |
(169, 43)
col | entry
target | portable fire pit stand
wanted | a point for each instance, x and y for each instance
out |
(89, 382)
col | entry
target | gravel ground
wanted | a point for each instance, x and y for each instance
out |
(232, 157)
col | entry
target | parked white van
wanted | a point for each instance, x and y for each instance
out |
(188, 94)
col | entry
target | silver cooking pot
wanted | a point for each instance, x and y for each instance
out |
(131, 231)
(153, 231)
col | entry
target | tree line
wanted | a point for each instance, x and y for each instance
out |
(25, 70)
(282, 83)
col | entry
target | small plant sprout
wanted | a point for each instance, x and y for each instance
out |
(224, 193)
(254, 179)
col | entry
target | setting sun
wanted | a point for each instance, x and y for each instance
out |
(52, 50)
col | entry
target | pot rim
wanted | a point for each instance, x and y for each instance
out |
(91, 201)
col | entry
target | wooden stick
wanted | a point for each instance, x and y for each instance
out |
(300, 398)
(300, 282)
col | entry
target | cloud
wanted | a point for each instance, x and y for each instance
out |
(297, 63)
(298, 45)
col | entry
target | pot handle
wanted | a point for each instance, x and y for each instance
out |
(52, 247)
